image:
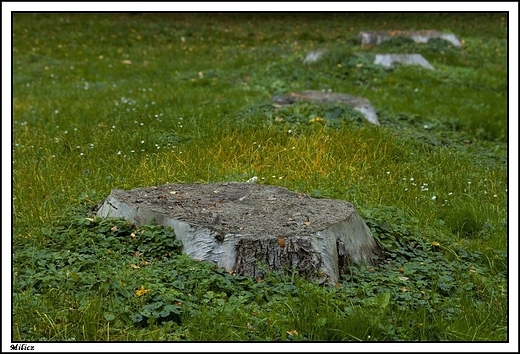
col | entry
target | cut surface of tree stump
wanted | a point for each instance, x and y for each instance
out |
(247, 228)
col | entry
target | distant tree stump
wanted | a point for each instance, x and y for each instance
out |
(360, 104)
(246, 228)
(405, 59)
(423, 36)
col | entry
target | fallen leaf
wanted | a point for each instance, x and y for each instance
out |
(134, 266)
(114, 229)
(126, 62)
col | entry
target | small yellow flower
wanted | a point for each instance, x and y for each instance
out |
(317, 120)
(141, 292)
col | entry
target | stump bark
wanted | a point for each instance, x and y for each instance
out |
(248, 228)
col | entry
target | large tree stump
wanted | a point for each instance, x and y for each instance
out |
(246, 228)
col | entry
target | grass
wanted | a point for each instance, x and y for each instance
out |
(105, 101)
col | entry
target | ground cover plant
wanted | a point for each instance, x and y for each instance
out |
(106, 101)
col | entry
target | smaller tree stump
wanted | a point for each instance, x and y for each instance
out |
(423, 36)
(405, 59)
(360, 104)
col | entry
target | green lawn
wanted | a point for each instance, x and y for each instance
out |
(105, 101)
